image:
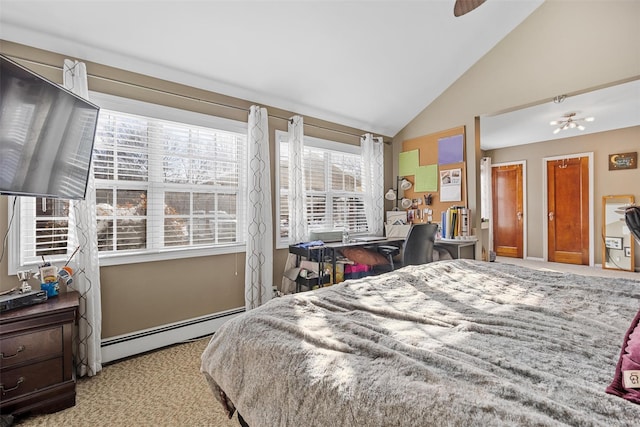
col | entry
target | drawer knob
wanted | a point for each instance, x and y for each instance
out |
(7, 390)
(20, 350)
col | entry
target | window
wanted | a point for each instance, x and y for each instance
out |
(166, 180)
(333, 185)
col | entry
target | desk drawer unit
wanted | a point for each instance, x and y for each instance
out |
(36, 357)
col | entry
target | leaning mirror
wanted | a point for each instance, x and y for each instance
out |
(617, 240)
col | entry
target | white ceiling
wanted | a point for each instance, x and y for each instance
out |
(614, 107)
(372, 65)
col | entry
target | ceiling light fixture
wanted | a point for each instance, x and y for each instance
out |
(570, 121)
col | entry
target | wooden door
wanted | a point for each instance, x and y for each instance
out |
(568, 210)
(508, 216)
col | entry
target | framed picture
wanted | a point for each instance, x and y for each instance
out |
(613, 242)
(623, 161)
(627, 251)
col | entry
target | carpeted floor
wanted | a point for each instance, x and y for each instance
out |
(584, 270)
(163, 388)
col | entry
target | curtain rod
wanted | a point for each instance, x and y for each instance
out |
(191, 98)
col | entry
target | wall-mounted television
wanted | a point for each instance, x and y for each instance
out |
(46, 136)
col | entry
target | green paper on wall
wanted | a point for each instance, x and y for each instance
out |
(408, 161)
(426, 178)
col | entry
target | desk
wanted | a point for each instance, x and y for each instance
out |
(336, 246)
(315, 254)
(458, 248)
(328, 253)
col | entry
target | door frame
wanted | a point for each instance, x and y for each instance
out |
(545, 196)
(524, 204)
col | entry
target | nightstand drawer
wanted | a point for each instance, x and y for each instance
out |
(22, 348)
(18, 381)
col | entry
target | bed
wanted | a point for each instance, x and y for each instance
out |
(451, 343)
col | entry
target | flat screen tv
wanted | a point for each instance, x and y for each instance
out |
(46, 136)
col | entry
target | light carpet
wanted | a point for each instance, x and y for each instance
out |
(162, 388)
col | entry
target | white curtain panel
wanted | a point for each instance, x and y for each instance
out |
(83, 235)
(486, 205)
(373, 182)
(258, 277)
(298, 227)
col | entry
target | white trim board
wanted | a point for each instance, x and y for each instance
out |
(126, 345)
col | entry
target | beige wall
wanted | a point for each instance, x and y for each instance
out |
(145, 295)
(606, 182)
(560, 49)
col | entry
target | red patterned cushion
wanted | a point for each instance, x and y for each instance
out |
(364, 256)
(626, 382)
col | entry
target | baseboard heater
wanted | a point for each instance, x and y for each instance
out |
(122, 346)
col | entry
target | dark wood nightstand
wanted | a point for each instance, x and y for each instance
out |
(36, 357)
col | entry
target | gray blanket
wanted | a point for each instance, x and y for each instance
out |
(451, 343)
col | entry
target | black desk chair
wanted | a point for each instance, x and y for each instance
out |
(632, 218)
(417, 248)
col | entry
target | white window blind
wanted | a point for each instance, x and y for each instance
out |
(47, 234)
(161, 186)
(172, 185)
(333, 180)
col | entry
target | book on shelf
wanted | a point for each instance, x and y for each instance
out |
(455, 222)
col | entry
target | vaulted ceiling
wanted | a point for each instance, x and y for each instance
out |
(372, 65)
(613, 107)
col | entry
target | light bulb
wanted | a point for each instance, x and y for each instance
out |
(556, 131)
(405, 184)
(390, 195)
(589, 119)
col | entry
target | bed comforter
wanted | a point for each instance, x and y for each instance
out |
(451, 343)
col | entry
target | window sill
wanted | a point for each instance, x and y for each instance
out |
(138, 258)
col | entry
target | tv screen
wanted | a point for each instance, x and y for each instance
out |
(46, 136)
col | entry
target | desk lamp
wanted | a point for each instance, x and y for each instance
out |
(393, 194)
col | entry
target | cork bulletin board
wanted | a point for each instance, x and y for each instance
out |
(435, 165)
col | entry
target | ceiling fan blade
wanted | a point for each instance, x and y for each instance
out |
(465, 6)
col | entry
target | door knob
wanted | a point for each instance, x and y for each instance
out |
(519, 216)
(550, 216)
